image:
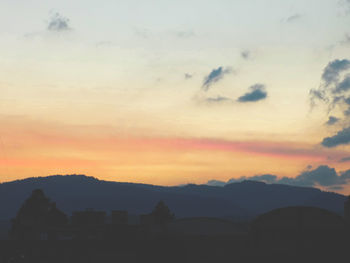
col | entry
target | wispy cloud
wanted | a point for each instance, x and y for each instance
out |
(214, 76)
(188, 76)
(218, 99)
(58, 23)
(293, 18)
(246, 54)
(55, 24)
(257, 92)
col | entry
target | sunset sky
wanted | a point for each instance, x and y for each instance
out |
(175, 92)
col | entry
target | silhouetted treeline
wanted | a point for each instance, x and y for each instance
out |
(41, 232)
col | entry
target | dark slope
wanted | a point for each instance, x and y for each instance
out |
(258, 197)
(77, 192)
(80, 192)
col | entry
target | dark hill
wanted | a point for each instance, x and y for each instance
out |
(237, 200)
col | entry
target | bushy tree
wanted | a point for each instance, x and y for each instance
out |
(37, 212)
(162, 213)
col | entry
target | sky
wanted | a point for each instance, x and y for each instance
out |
(175, 92)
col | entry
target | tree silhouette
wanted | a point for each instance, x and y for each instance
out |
(162, 213)
(36, 214)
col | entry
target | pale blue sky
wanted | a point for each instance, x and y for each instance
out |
(139, 66)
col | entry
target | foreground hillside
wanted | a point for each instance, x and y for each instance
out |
(238, 200)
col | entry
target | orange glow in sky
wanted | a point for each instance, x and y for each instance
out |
(132, 92)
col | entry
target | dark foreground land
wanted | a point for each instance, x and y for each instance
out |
(41, 233)
(163, 249)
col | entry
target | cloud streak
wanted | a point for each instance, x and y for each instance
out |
(342, 137)
(109, 150)
(215, 76)
(218, 99)
(50, 136)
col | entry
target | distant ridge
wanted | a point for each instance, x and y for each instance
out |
(237, 200)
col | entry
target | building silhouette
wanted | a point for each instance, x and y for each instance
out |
(88, 217)
(119, 217)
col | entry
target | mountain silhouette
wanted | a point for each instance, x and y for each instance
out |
(243, 200)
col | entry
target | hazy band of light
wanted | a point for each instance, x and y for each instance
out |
(40, 150)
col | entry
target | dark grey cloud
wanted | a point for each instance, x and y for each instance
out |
(245, 54)
(334, 92)
(58, 23)
(188, 76)
(345, 175)
(293, 18)
(332, 120)
(214, 76)
(321, 176)
(218, 99)
(257, 93)
(344, 85)
(347, 102)
(342, 137)
(333, 69)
